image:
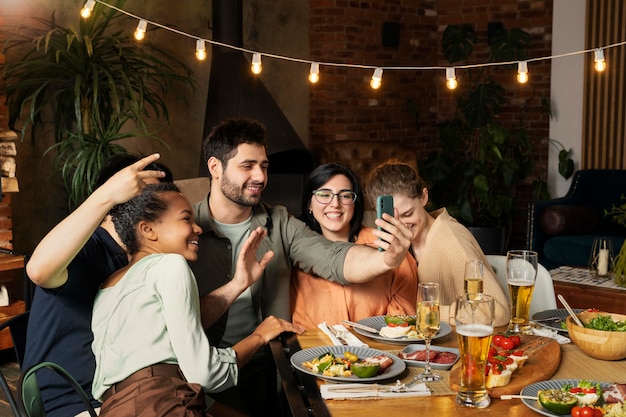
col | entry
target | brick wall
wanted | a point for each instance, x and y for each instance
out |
(7, 166)
(409, 104)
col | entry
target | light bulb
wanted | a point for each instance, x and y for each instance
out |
(522, 72)
(200, 50)
(314, 73)
(377, 78)
(140, 32)
(256, 64)
(85, 12)
(451, 82)
(599, 62)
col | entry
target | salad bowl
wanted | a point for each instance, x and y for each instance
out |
(600, 344)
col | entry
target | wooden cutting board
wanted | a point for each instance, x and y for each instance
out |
(544, 357)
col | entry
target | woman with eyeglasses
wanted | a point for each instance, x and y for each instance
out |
(333, 206)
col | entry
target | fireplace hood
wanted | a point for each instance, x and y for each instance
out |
(235, 92)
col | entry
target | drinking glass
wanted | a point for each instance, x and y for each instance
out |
(428, 323)
(474, 329)
(521, 273)
(473, 277)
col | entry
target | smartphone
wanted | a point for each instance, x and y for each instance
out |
(384, 204)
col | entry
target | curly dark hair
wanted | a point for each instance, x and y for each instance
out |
(224, 139)
(147, 206)
(320, 176)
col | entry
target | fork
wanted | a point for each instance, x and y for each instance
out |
(338, 334)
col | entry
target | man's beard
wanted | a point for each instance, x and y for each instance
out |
(234, 193)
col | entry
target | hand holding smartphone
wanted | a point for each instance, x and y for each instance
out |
(384, 204)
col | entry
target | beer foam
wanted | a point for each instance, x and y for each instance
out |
(521, 283)
(474, 330)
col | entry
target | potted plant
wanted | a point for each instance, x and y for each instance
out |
(95, 85)
(481, 159)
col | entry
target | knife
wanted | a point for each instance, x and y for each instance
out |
(338, 335)
(361, 326)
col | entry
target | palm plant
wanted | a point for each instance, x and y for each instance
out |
(96, 85)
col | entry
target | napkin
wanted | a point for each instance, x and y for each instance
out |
(351, 339)
(372, 391)
(552, 334)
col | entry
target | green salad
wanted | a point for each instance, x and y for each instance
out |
(606, 323)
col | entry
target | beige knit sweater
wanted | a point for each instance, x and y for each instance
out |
(448, 246)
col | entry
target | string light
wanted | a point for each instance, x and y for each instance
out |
(256, 64)
(140, 32)
(451, 82)
(377, 78)
(200, 50)
(314, 73)
(85, 12)
(598, 60)
(522, 72)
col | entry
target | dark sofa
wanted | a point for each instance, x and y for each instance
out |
(562, 230)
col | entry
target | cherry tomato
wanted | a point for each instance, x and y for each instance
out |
(589, 390)
(497, 339)
(507, 344)
(575, 390)
(517, 353)
(492, 352)
(586, 412)
(597, 412)
(575, 412)
(516, 340)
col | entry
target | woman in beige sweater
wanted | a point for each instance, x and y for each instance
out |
(441, 245)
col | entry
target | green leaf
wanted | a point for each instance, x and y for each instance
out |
(458, 42)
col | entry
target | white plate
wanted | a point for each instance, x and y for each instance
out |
(307, 354)
(440, 366)
(533, 389)
(378, 322)
(559, 315)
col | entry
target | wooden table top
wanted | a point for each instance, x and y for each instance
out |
(442, 405)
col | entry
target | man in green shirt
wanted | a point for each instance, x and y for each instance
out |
(237, 163)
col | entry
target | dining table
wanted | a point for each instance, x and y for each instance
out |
(302, 390)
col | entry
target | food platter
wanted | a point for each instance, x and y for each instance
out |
(532, 390)
(438, 366)
(543, 318)
(307, 354)
(378, 322)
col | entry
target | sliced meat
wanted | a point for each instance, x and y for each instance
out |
(445, 358)
(418, 355)
(384, 361)
(616, 393)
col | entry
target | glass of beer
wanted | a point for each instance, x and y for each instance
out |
(473, 277)
(428, 322)
(474, 329)
(521, 273)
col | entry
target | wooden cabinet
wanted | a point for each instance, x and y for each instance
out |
(587, 296)
(6, 313)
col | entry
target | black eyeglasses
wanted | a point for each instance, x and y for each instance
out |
(346, 198)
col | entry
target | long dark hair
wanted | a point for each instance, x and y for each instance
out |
(320, 176)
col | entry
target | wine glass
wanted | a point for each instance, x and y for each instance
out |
(428, 323)
(474, 276)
